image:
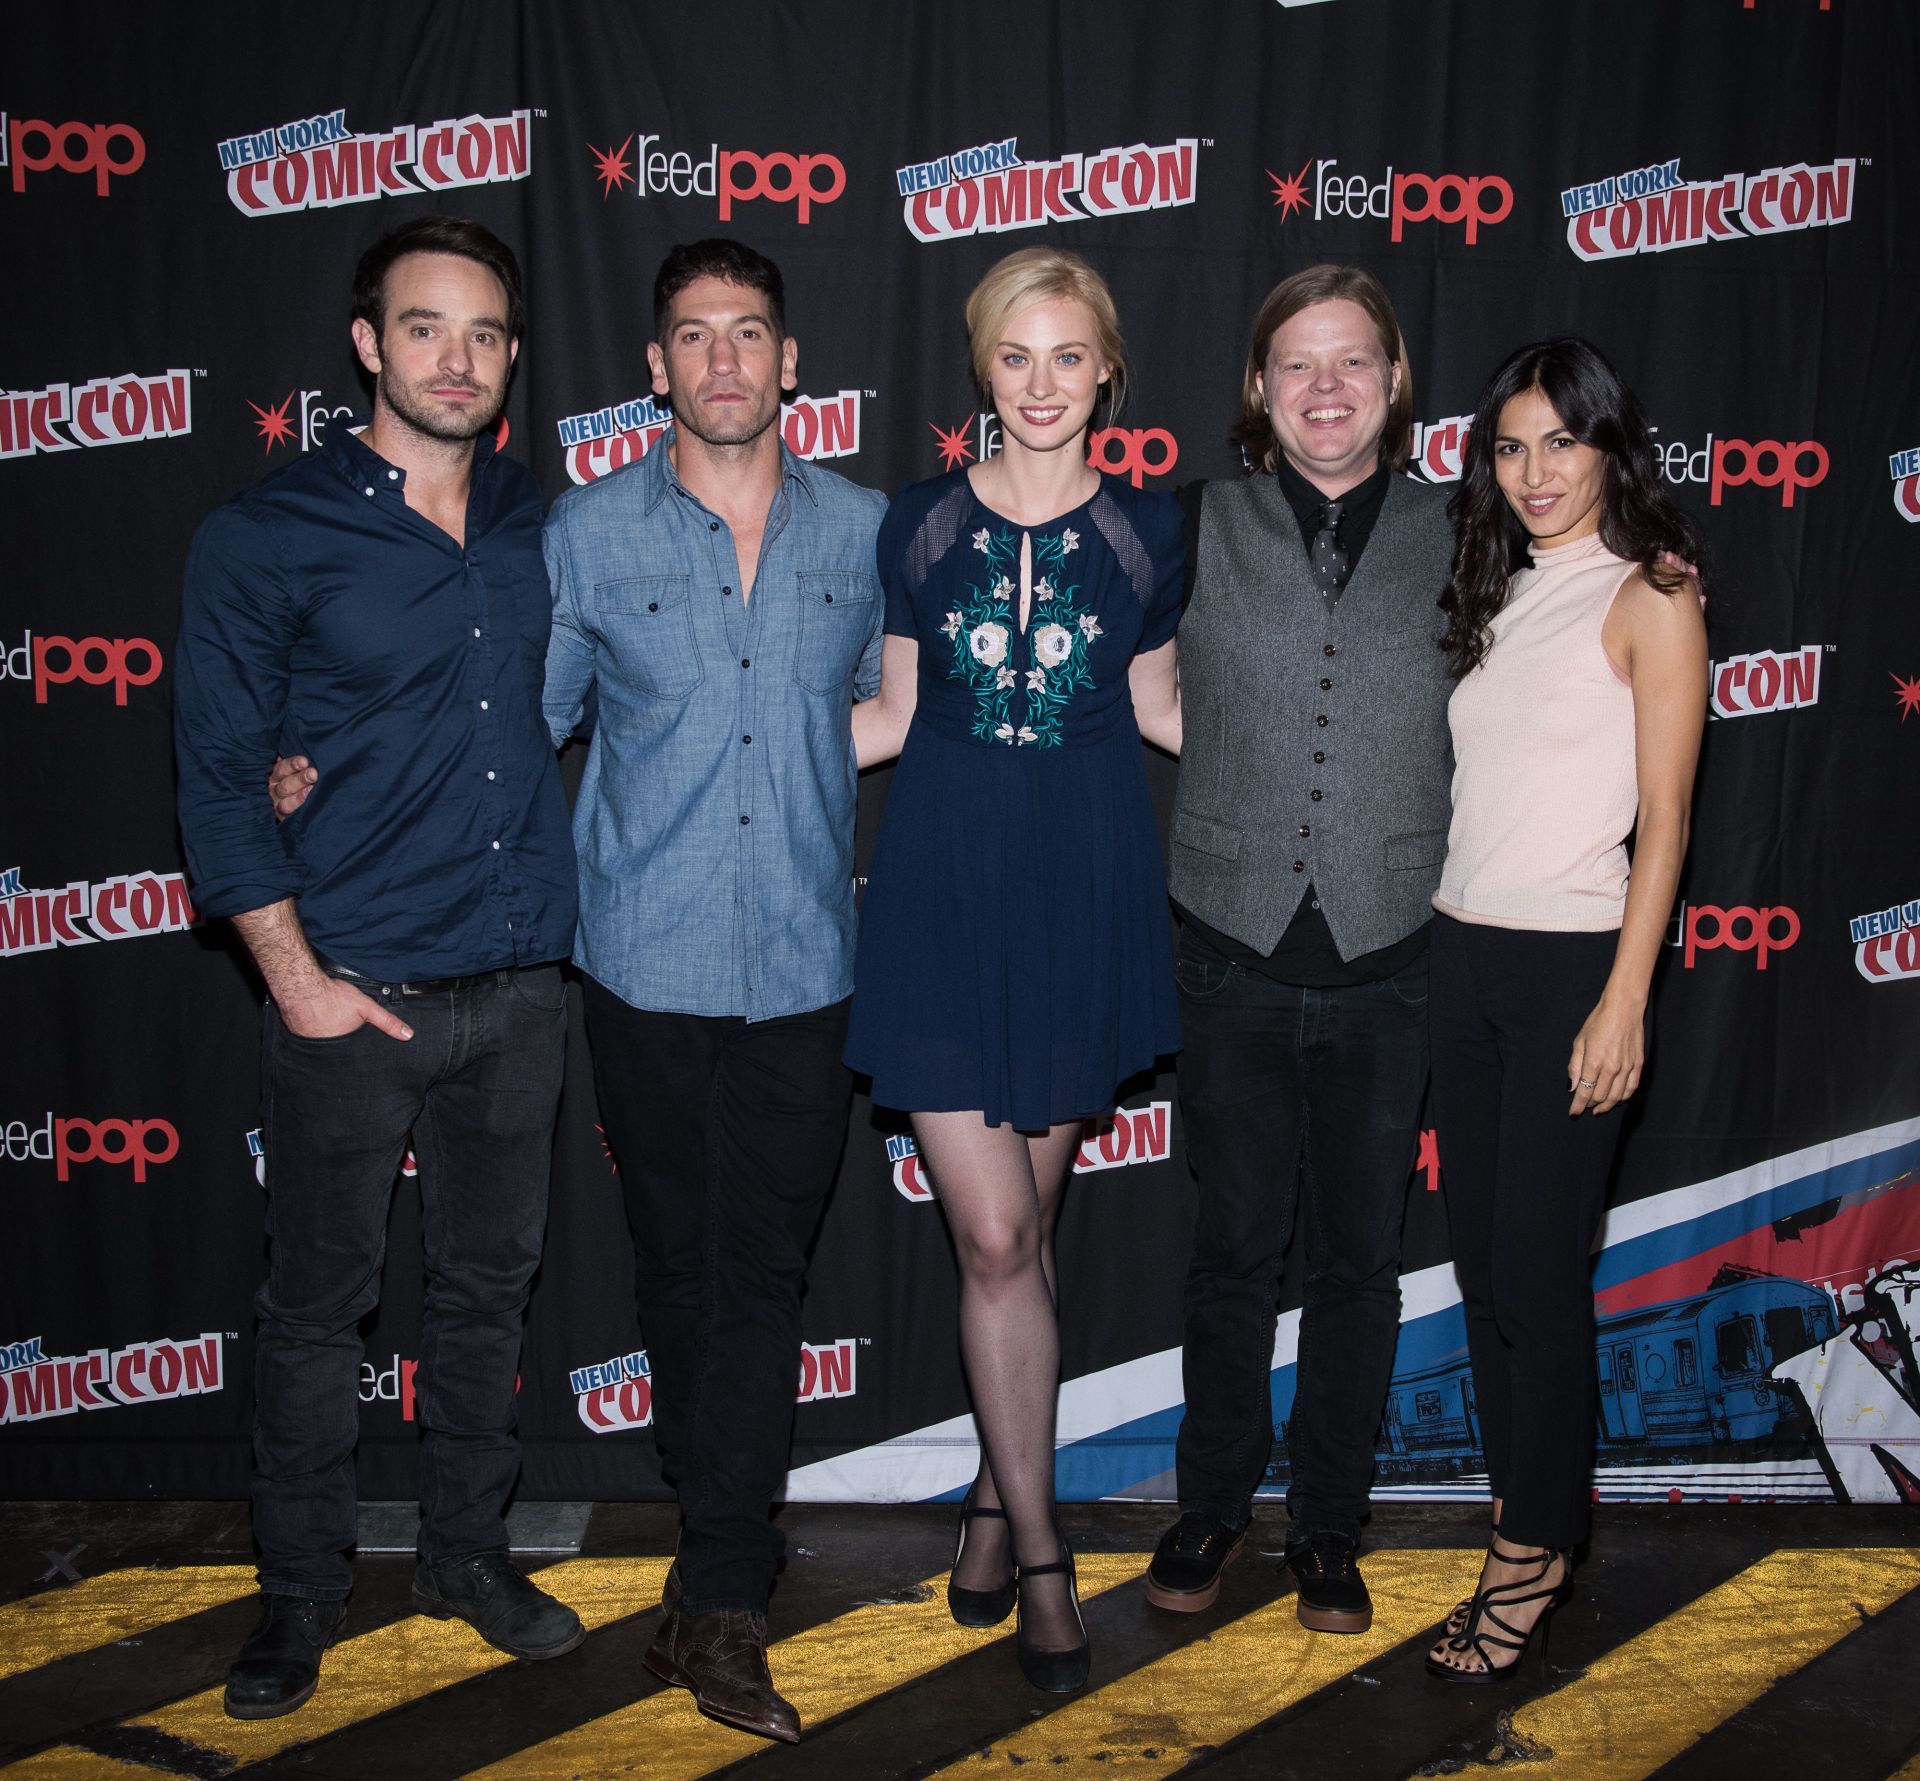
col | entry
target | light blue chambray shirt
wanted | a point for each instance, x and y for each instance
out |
(715, 822)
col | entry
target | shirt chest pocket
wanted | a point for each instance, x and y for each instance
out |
(836, 619)
(646, 625)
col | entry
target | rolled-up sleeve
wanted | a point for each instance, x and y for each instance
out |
(231, 670)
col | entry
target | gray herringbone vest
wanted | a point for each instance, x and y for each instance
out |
(1315, 744)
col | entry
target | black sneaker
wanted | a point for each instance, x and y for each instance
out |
(1332, 1594)
(510, 1613)
(1185, 1573)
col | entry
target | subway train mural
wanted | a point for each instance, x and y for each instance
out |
(1675, 1381)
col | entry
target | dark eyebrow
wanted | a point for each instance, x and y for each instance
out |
(700, 321)
(440, 315)
(1058, 345)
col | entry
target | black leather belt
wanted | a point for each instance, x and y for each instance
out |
(422, 986)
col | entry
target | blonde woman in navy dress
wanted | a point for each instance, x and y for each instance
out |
(1014, 964)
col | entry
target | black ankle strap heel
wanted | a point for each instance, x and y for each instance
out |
(1054, 1672)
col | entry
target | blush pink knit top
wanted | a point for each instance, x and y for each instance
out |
(1544, 790)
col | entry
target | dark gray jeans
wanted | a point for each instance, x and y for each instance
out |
(477, 1086)
(1301, 1108)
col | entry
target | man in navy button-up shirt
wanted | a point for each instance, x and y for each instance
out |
(382, 606)
(721, 598)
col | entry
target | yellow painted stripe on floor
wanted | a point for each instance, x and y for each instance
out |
(1647, 1701)
(1907, 1771)
(1155, 1719)
(114, 1605)
(65, 1763)
(823, 1671)
(394, 1665)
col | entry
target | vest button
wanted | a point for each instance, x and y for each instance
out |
(1319, 755)
(1305, 830)
(1315, 796)
(1299, 865)
(1328, 650)
(1321, 720)
(1326, 686)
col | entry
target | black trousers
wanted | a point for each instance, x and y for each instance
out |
(1525, 1186)
(727, 1135)
(1301, 1109)
(477, 1086)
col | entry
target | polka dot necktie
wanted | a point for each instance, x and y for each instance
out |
(1328, 556)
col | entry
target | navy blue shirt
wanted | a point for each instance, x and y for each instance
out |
(323, 616)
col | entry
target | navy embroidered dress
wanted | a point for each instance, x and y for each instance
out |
(1013, 952)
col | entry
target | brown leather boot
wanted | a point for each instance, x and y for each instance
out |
(722, 1658)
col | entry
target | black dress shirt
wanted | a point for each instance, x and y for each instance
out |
(323, 616)
(1305, 954)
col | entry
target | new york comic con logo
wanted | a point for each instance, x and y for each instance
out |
(729, 176)
(988, 189)
(1886, 942)
(1651, 210)
(1126, 1136)
(113, 410)
(316, 163)
(128, 907)
(607, 439)
(35, 1385)
(1474, 200)
(617, 1394)
(1904, 467)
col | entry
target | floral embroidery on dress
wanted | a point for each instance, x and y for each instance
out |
(1057, 640)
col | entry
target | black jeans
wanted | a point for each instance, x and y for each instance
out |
(727, 1135)
(1293, 1101)
(1525, 1186)
(477, 1086)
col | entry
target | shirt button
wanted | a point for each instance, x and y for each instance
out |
(489, 773)
(496, 847)
(369, 491)
(829, 599)
(1321, 720)
(1316, 902)
(745, 820)
(653, 605)
(745, 662)
(746, 738)
(483, 707)
(726, 590)
(1319, 755)
(393, 475)
(1316, 798)
(713, 525)
(476, 630)
(1326, 686)
(1328, 650)
(1299, 865)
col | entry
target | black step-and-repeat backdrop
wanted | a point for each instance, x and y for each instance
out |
(1722, 193)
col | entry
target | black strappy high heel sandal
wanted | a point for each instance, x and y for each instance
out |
(1456, 1622)
(1483, 1614)
(1054, 1672)
(978, 1607)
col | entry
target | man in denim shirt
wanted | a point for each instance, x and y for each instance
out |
(721, 600)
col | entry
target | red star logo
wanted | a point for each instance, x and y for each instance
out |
(1289, 194)
(1908, 695)
(274, 426)
(610, 167)
(954, 449)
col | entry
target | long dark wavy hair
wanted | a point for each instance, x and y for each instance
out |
(1637, 519)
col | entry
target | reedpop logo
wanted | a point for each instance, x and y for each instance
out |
(107, 151)
(1133, 452)
(1478, 200)
(730, 176)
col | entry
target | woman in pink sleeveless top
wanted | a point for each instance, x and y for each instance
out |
(1581, 659)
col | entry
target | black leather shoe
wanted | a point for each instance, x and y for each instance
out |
(978, 1607)
(510, 1613)
(1332, 1594)
(279, 1666)
(1185, 1573)
(722, 1658)
(1053, 1672)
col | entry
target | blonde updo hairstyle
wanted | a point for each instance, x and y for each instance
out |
(1035, 275)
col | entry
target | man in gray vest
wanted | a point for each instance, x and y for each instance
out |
(1308, 832)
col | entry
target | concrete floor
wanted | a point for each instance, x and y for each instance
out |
(1702, 1642)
